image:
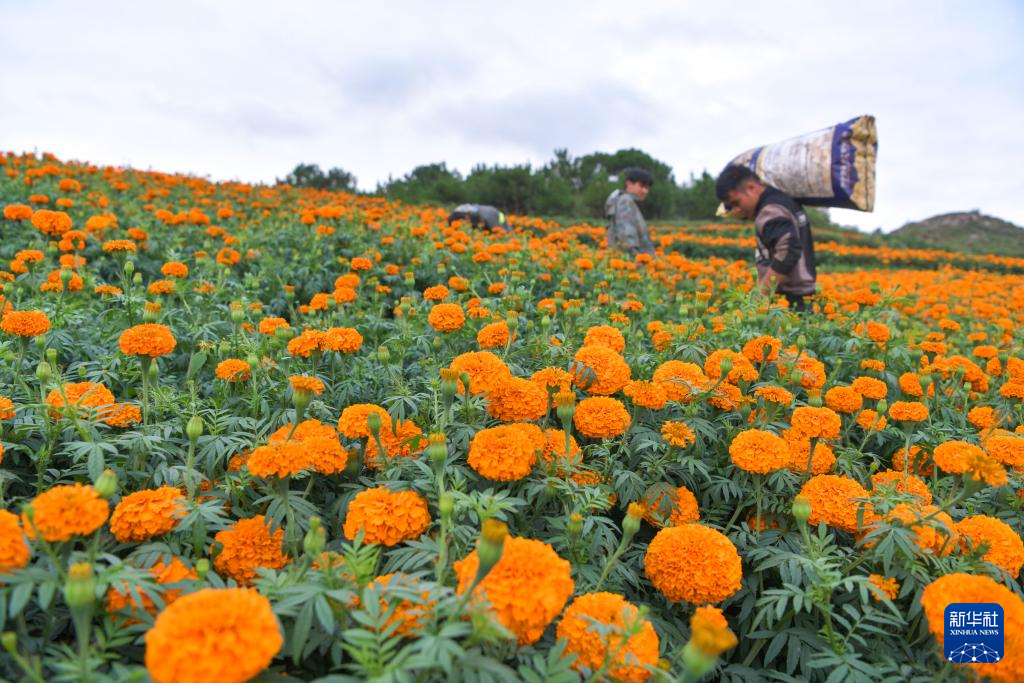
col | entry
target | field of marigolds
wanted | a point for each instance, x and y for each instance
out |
(263, 433)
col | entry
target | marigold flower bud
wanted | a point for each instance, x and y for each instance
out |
(926, 381)
(449, 381)
(726, 365)
(153, 372)
(137, 279)
(446, 504)
(575, 525)
(814, 401)
(631, 523)
(238, 315)
(252, 360)
(106, 485)
(801, 509)
(437, 450)
(194, 428)
(9, 639)
(80, 588)
(129, 268)
(465, 378)
(410, 279)
(43, 372)
(383, 354)
(316, 538)
(882, 406)
(374, 423)
(202, 568)
(801, 341)
(491, 546)
(697, 662)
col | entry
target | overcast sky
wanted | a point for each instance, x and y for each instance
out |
(245, 90)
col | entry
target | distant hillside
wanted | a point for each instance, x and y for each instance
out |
(968, 232)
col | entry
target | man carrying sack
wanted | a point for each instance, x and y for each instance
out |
(785, 246)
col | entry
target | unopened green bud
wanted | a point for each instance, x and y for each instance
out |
(129, 268)
(446, 504)
(697, 662)
(575, 525)
(194, 428)
(137, 279)
(726, 365)
(631, 522)
(40, 343)
(437, 450)
(51, 356)
(926, 381)
(106, 485)
(796, 377)
(436, 344)
(283, 333)
(512, 322)
(801, 341)
(237, 315)
(202, 568)
(252, 360)
(465, 379)
(882, 406)
(154, 372)
(491, 546)
(66, 275)
(82, 372)
(316, 538)
(814, 401)
(383, 354)
(801, 509)
(374, 423)
(80, 588)
(43, 372)
(150, 315)
(9, 640)
(545, 324)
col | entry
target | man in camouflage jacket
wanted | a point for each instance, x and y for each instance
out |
(627, 229)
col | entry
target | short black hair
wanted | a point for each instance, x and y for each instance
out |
(639, 175)
(731, 177)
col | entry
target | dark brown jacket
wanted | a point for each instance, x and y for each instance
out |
(785, 244)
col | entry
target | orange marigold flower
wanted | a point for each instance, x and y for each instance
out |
(910, 384)
(709, 631)
(228, 256)
(148, 339)
(816, 423)
(845, 400)
(352, 422)
(123, 415)
(677, 434)
(175, 572)
(268, 326)
(227, 635)
(741, 370)
(694, 563)
(869, 387)
(343, 339)
(174, 269)
(608, 373)
(305, 383)
(833, 500)
(933, 529)
(606, 335)
(665, 506)
(446, 317)
(873, 364)
(646, 394)
(506, 452)
(517, 399)
(107, 290)
(759, 452)
(436, 293)
(485, 370)
(494, 335)
(869, 420)
(774, 394)
(6, 408)
(86, 397)
(162, 287)
(984, 417)
(66, 511)
(111, 246)
(360, 263)
(147, 514)
(631, 658)
(902, 483)
(810, 370)
(682, 381)
(754, 350)
(247, 546)
(318, 443)
(306, 343)
(552, 379)
(278, 460)
(881, 585)
(1005, 548)
(51, 223)
(25, 323)
(956, 457)
(601, 417)
(1012, 390)
(233, 370)
(401, 440)
(17, 212)
(14, 552)
(799, 448)
(1005, 447)
(554, 450)
(959, 587)
(387, 517)
(527, 588)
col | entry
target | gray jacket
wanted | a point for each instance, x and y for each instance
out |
(627, 229)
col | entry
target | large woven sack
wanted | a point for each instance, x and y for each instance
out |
(830, 167)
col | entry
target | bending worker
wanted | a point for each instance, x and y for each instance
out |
(480, 216)
(627, 229)
(785, 247)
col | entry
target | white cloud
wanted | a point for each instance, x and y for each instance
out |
(247, 90)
